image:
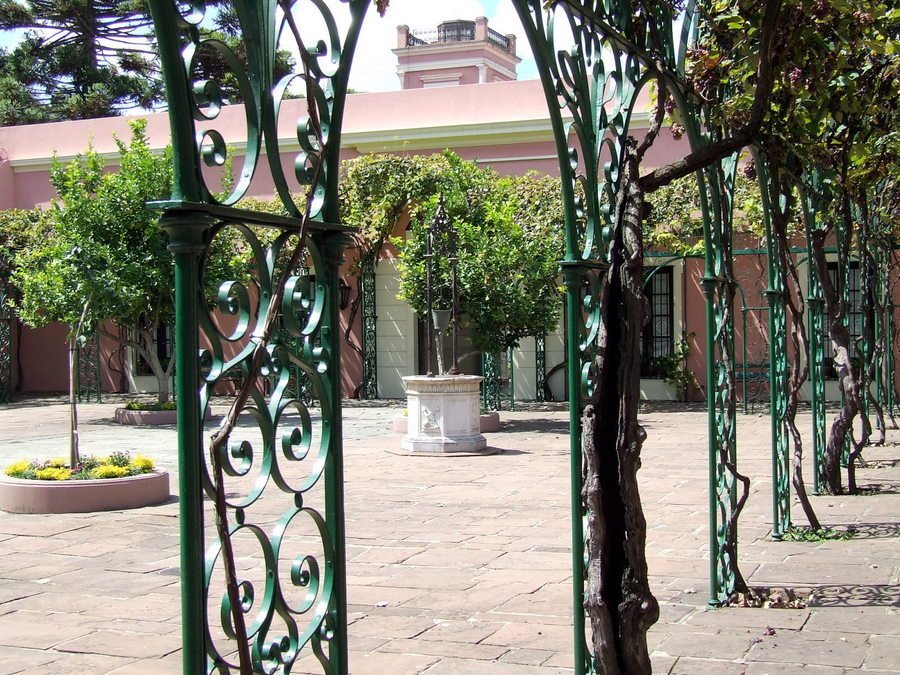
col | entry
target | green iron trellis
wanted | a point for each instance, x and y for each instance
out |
(286, 468)
(490, 385)
(816, 303)
(540, 367)
(778, 372)
(88, 375)
(7, 324)
(369, 339)
(601, 47)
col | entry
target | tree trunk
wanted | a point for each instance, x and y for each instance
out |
(74, 455)
(147, 348)
(618, 600)
(840, 340)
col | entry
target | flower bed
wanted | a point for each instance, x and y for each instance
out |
(111, 483)
(140, 414)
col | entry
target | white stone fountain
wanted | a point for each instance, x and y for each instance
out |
(444, 414)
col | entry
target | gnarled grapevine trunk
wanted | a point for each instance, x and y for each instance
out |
(618, 599)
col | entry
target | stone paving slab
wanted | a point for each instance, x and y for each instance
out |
(461, 565)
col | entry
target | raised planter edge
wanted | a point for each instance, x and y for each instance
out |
(20, 495)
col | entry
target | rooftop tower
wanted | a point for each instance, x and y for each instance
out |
(457, 52)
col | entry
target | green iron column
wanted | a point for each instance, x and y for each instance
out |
(817, 378)
(88, 376)
(186, 232)
(289, 456)
(816, 305)
(490, 385)
(540, 366)
(7, 344)
(369, 335)
(778, 373)
(333, 247)
(572, 278)
(716, 187)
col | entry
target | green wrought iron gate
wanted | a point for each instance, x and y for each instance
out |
(270, 587)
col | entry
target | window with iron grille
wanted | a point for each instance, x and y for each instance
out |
(854, 313)
(657, 334)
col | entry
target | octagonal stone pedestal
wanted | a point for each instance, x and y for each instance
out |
(444, 414)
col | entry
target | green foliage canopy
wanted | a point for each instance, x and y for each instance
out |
(509, 239)
(78, 59)
(105, 250)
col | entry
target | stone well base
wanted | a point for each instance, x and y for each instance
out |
(443, 414)
(488, 423)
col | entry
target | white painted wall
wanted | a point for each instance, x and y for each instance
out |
(395, 332)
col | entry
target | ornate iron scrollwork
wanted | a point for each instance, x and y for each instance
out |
(540, 367)
(490, 385)
(7, 323)
(270, 587)
(369, 339)
(89, 369)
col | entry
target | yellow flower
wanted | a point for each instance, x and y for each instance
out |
(109, 471)
(58, 463)
(141, 464)
(53, 473)
(16, 470)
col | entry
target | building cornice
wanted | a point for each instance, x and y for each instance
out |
(451, 47)
(437, 135)
(476, 61)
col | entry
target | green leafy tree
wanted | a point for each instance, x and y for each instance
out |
(82, 59)
(509, 246)
(105, 258)
(77, 60)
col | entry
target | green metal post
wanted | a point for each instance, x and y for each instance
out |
(369, 336)
(743, 358)
(334, 462)
(572, 275)
(781, 503)
(511, 367)
(186, 234)
(540, 366)
(816, 304)
(7, 344)
(715, 600)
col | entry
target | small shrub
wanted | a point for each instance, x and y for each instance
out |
(89, 463)
(138, 405)
(19, 469)
(140, 464)
(53, 473)
(119, 458)
(823, 534)
(109, 471)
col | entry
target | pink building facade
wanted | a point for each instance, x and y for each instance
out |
(460, 93)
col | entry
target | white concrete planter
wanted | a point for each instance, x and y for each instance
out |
(444, 414)
(20, 495)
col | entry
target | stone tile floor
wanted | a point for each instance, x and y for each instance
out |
(461, 565)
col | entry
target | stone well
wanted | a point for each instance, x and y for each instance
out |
(444, 414)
